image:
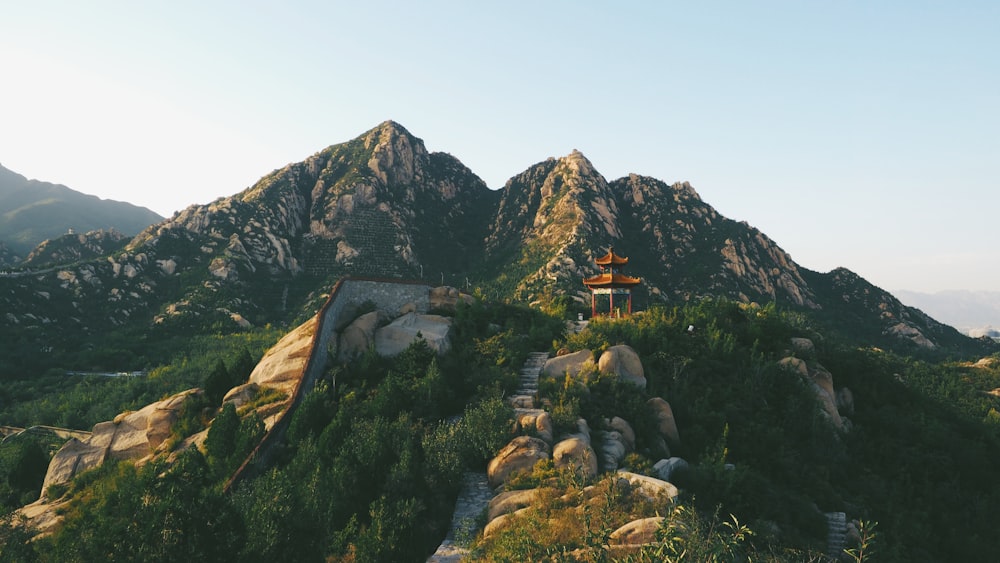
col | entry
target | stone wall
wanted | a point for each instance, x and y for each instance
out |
(349, 293)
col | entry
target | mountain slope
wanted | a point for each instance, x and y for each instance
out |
(32, 211)
(381, 205)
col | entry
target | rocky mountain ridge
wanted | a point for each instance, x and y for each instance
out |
(382, 205)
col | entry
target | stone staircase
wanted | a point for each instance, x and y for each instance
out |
(836, 537)
(476, 493)
(523, 400)
(472, 500)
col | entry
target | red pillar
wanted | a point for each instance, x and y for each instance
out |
(611, 306)
(593, 304)
(630, 303)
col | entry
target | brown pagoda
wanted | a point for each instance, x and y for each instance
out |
(611, 281)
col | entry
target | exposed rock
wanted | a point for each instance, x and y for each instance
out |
(520, 454)
(447, 298)
(624, 362)
(650, 487)
(499, 522)
(510, 501)
(622, 426)
(637, 532)
(612, 450)
(803, 346)
(667, 469)
(134, 436)
(392, 339)
(572, 364)
(664, 416)
(911, 333)
(358, 337)
(283, 365)
(845, 401)
(796, 365)
(241, 395)
(539, 423)
(576, 453)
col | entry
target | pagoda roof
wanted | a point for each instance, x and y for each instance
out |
(611, 280)
(611, 259)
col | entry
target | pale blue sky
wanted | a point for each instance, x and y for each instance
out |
(859, 134)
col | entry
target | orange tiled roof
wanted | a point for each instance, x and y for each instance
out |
(611, 259)
(611, 280)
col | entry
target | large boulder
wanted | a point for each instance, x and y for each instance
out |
(447, 298)
(667, 469)
(622, 360)
(358, 337)
(661, 412)
(398, 335)
(613, 449)
(510, 501)
(520, 454)
(133, 436)
(576, 452)
(571, 364)
(637, 532)
(649, 487)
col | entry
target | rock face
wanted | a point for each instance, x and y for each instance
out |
(520, 454)
(398, 335)
(622, 360)
(133, 436)
(282, 365)
(572, 364)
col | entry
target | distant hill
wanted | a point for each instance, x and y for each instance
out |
(32, 211)
(967, 311)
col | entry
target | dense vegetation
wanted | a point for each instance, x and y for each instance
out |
(372, 463)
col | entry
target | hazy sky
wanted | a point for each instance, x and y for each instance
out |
(853, 133)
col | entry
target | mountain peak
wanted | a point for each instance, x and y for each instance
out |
(396, 155)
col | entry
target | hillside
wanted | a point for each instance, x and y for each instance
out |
(32, 211)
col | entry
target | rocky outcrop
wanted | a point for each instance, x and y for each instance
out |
(398, 335)
(131, 436)
(821, 381)
(520, 454)
(623, 362)
(283, 365)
